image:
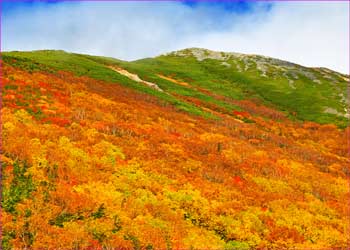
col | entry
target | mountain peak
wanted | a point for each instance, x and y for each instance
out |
(202, 54)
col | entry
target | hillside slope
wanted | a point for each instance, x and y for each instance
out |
(93, 157)
(307, 94)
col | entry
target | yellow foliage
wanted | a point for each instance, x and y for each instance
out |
(273, 186)
(23, 116)
(212, 137)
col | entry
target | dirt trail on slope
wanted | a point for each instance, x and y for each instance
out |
(135, 77)
(173, 80)
(203, 105)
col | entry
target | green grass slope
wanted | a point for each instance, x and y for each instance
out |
(314, 94)
(318, 95)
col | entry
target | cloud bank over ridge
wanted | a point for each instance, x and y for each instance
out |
(311, 34)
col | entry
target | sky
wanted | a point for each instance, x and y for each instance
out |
(314, 34)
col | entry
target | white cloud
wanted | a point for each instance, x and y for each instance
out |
(311, 34)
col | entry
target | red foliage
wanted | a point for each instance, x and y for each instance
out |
(241, 114)
(43, 85)
(237, 180)
(57, 120)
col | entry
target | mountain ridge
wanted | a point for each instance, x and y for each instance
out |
(180, 50)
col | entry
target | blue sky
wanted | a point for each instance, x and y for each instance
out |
(232, 6)
(311, 34)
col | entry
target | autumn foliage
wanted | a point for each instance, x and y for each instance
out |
(94, 165)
